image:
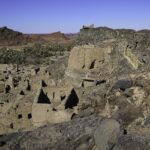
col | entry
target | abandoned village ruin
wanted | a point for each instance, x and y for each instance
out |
(38, 100)
(94, 96)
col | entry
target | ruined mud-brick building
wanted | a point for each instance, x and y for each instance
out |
(86, 62)
(15, 115)
(35, 101)
(89, 65)
(54, 105)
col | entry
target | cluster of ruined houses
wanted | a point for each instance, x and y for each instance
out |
(29, 97)
(34, 100)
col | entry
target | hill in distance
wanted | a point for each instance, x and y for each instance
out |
(9, 37)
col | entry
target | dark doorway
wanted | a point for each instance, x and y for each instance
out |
(29, 116)
(54, 109)
(125, 132)
(44, 84)
(28, 86)
(92, 66)
(43, 98)
(62, 97)
(11, 126)
(37, 70)
(22, 93)
(72, 100)
(7, 89)
(19, 116)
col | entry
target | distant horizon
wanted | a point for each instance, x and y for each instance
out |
(68, 16)
(75, 32)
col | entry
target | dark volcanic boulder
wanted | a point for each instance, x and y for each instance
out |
(123, 84)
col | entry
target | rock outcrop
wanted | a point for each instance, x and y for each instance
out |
(107, 134)
(77, 134)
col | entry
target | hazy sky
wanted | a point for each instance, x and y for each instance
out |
(45, 16)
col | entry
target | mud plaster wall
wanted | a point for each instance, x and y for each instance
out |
(5, 107)
(81, 57)
(2, 87)
(39, 113)
(43, 113)
(59, 116)
(22, 116)
(10, 120)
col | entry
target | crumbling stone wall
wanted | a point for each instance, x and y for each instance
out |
(22, 116)
(17, 117)
(39, 113)
(2, 86)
